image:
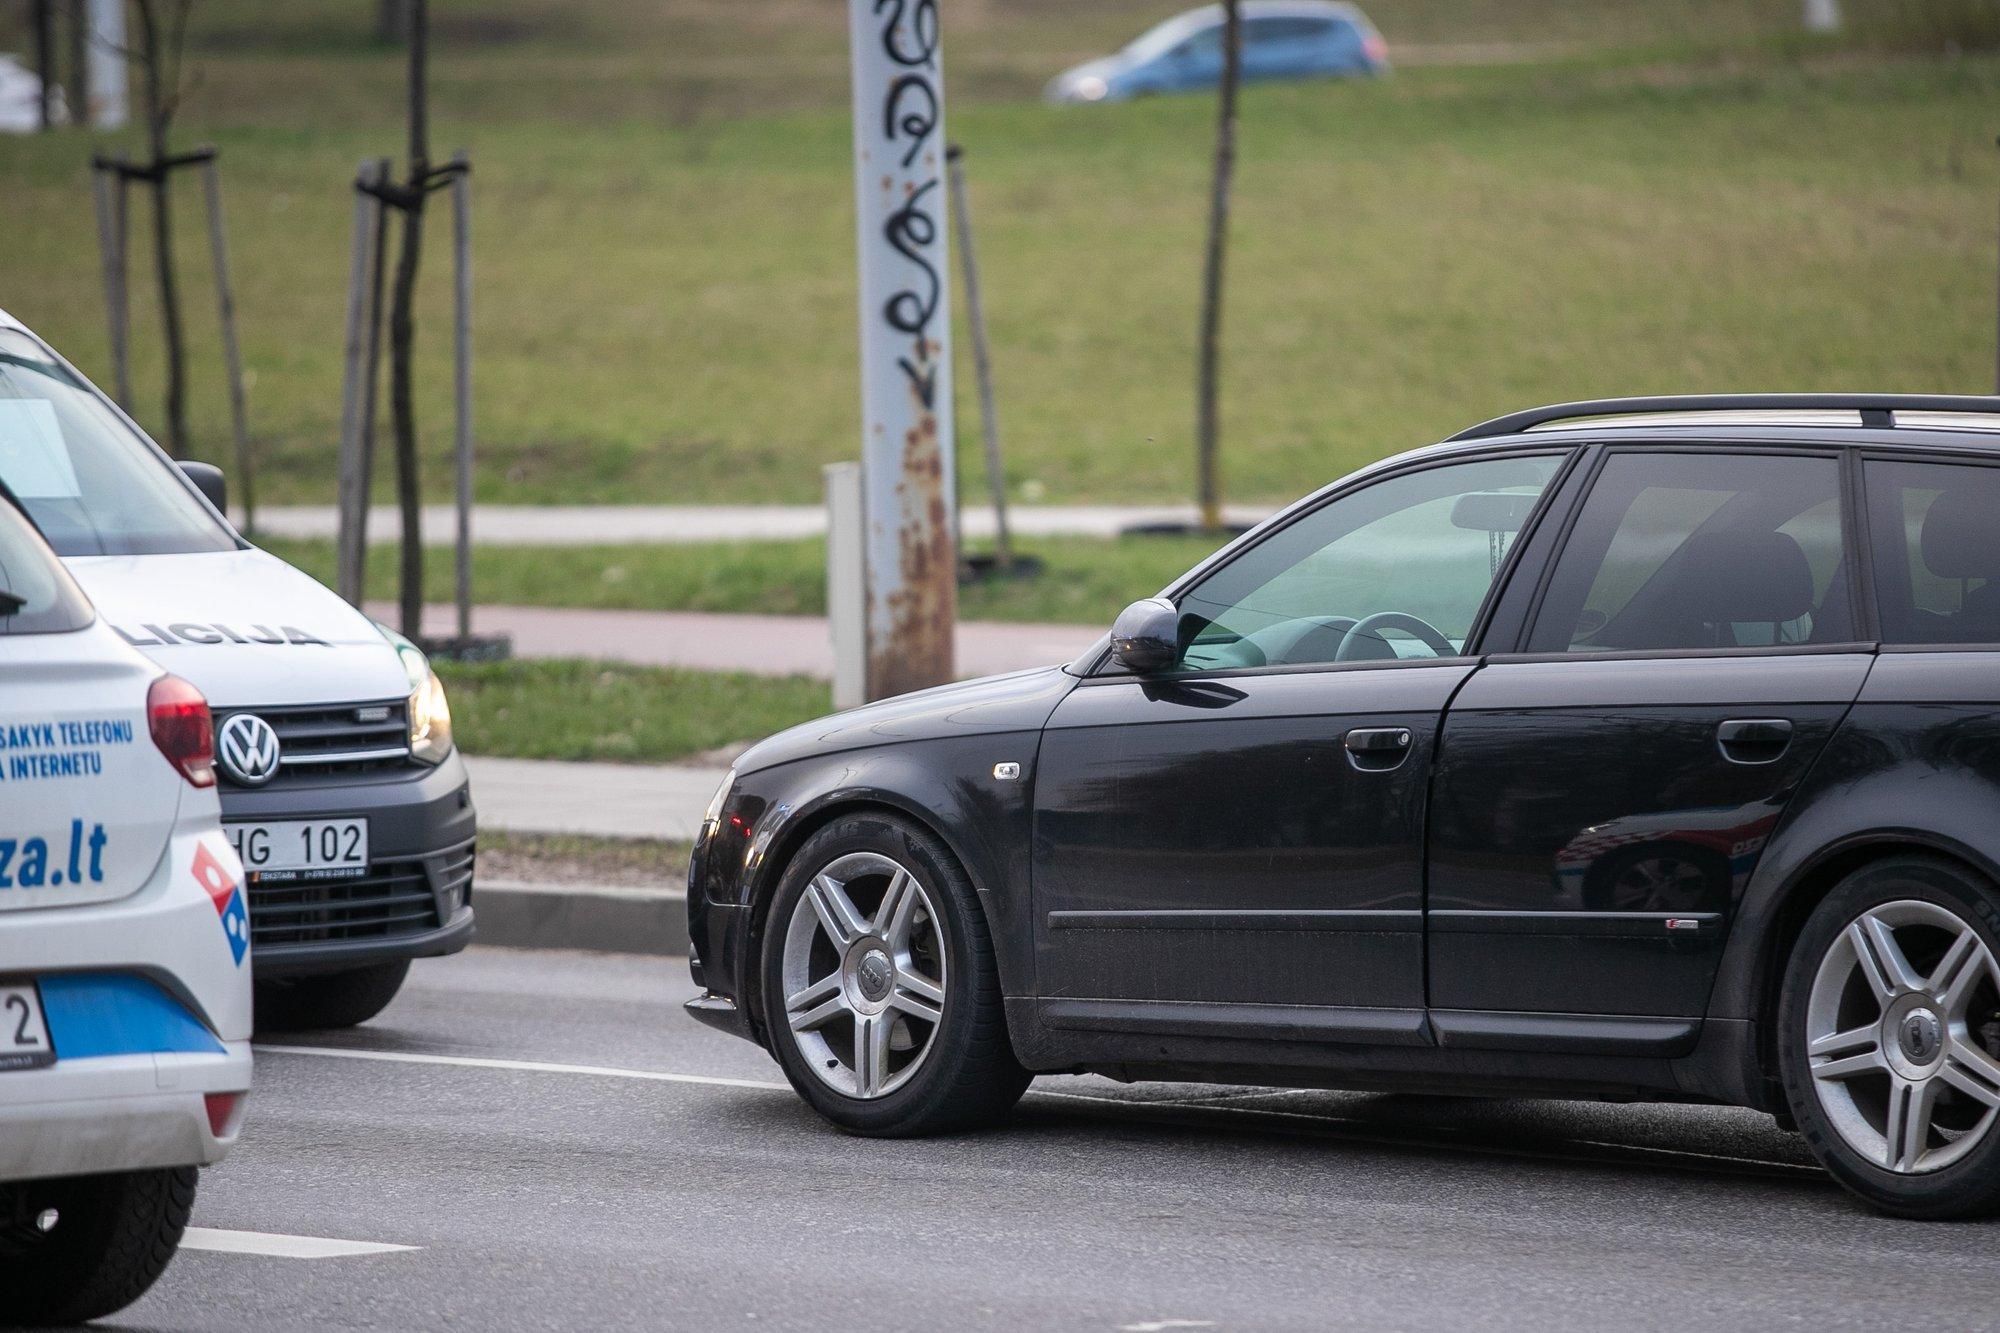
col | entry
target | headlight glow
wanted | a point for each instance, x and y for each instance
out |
(1091, 88)
(428, 711)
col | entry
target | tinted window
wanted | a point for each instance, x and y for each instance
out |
(1285, 30)
(1690, 551)
(1418, 552)
(36, 594)
(1936, 532)
(89, 482)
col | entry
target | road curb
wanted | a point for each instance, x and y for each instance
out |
(601, 918)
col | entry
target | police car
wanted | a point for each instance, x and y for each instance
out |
(125, 995)
(339, 781)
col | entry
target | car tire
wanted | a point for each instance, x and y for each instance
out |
(1886, 1050)
(920, 1075)
(112, 1237)
(334, 1000)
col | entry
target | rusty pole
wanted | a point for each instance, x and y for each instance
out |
(906, 441)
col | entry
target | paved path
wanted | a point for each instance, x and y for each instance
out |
(602, 800)
(564, 1149)
(765, 645)
(603, 525)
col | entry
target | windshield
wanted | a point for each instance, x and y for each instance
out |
(1164, 38)
(91, 484)
(36, 594)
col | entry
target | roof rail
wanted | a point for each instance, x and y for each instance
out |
(1876, 409)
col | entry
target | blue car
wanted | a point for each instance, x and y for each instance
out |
(1282, 39)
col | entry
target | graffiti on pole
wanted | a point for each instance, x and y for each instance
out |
(899, 162)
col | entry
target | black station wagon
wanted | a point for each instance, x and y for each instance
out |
(1643, 749)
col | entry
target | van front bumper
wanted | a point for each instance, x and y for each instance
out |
(415, 901)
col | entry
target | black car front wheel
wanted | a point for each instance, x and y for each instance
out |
(1890, 1037)
(879, 984)
(81, 1247)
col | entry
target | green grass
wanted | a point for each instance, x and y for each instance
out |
(1084, 580)
(593, 710)
(1677, 200)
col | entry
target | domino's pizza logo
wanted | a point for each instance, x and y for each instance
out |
(227, 896)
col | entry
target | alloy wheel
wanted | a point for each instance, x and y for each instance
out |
(864, 975)
(1900, 1025)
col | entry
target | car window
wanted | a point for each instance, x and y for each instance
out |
(1407, 560)
(1701, 551)
(1935, 528)
(1284, 30)
(91, 484)
(36, 593)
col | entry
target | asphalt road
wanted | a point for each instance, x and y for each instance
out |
(583, 1196)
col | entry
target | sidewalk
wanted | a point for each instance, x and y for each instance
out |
(762, 645)
(611, 525)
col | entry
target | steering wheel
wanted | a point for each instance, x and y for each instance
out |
(1363, 641)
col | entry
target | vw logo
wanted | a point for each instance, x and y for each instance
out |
(247, 748)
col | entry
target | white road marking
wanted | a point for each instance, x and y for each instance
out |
(1161, 1325)
(530, 1066)
(281, 1246)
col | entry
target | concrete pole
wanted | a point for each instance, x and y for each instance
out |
(110, 100)
(906, 426)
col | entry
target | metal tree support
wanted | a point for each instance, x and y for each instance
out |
(108, 189)
(982, 363)
(225, 299)
(357, 393)
(906, 438)
(461, 320)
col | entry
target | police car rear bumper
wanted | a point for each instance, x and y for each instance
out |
(120, 1113)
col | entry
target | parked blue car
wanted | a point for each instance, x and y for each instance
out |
(1282, 39)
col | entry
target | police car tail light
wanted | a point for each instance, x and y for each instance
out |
(222, 1108)
(182, 728)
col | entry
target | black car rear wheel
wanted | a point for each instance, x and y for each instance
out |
(1890, 1037)
(880, 989)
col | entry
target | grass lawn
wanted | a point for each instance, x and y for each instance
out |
(566, 858)
(1669, 200)
(624, 714)
(1084, 580)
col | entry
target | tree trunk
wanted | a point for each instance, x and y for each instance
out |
(79, 61)
(402, 334)
(1209, 484)
(159, 116)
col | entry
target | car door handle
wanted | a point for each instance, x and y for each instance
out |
(1377, 749)
(1754, 740)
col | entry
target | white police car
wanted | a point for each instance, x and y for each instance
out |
(339, 781)
(125, 996)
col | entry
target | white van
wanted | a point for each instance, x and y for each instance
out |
(340, 784)
(125, 999)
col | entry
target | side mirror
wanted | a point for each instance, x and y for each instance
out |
(1146, 636)
(207, 479)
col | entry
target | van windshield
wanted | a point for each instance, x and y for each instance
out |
(91, 484)
(36, 594)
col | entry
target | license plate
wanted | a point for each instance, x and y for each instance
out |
(302, 849)
(24, 1036)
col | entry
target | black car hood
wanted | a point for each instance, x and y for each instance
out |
(1018, 701)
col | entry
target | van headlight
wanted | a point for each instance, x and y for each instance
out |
(429, 713)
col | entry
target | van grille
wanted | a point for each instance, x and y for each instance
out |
(335, 739)
(393, 898)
